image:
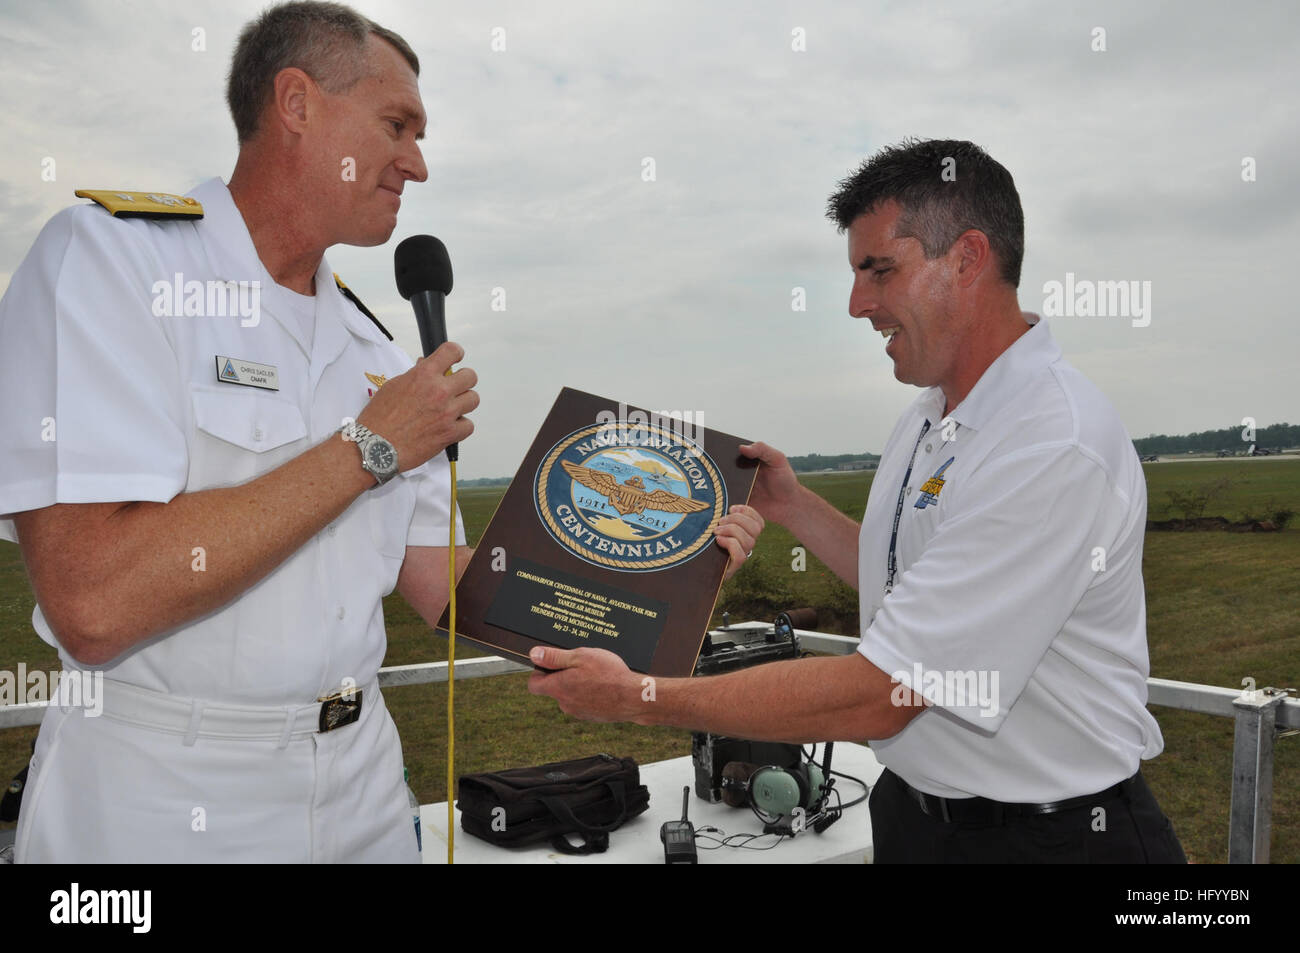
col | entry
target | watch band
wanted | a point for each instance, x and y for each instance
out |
(363, 437)
(354, 432)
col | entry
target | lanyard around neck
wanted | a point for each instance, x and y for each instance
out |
(892, 563)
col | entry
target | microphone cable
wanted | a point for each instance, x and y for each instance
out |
(423, 272)
(451, 667)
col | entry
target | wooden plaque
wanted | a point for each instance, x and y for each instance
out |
(604, 538)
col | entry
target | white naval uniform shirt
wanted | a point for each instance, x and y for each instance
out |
(140, 414)
(1000, 572)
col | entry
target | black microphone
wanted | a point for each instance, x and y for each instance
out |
(424, 279)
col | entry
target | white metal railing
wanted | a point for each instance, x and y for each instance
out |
(1261, 717)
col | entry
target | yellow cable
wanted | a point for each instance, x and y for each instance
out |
(451, 675)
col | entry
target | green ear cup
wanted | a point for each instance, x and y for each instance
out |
(774, 791)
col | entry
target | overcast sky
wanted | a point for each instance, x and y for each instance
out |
(676, 293)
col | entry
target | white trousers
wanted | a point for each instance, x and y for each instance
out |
(119, 788)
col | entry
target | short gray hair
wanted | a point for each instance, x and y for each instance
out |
(325, 40)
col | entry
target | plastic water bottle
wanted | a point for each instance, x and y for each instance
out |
(415, 808)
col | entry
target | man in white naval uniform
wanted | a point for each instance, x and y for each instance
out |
(1001, 672)
(198, 528)
(216, 465)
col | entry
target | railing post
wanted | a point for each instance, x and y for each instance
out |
(1250, 823)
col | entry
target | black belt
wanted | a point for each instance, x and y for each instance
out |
(984, 811)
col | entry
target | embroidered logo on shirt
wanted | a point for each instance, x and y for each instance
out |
(932, 487)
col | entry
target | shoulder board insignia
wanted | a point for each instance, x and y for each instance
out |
(144, 204)
(347, 293)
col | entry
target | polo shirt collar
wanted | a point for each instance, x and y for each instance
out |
(1004, 379)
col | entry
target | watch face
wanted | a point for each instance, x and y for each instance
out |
(381, 456)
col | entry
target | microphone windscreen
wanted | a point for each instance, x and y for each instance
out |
(422, 264)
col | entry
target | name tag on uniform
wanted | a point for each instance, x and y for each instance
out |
(232, 370)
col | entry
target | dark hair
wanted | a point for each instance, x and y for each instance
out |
(945, 187)
(324, 40)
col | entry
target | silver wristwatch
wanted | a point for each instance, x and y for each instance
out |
(378, 456)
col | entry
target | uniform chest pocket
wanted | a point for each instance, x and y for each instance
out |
(390, 509)
(241, 433)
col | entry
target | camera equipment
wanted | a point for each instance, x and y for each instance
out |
(786, 800)
(787, 793)
(726, 651)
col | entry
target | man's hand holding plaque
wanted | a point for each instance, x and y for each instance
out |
(737, 533)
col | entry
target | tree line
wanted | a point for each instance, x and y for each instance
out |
(1274, 436)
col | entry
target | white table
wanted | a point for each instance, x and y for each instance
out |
(637, 841)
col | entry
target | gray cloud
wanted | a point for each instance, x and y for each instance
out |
(676, 293)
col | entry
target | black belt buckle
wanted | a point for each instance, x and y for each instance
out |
(339, 709)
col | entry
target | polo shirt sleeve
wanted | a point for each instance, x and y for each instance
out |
(87, 374)
(432, 481)
(999, 578)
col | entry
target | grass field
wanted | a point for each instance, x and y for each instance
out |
(1220, 606)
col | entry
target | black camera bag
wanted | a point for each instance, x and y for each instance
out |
(587, 796)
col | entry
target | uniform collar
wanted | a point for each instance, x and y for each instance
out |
(1003, 380)
(225, 236)
(233, 256)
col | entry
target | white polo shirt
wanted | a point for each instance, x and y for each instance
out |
(96, 354)
(1017, 607)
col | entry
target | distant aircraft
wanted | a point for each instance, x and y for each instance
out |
(1149, 458)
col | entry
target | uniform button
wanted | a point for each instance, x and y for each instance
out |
(342, 612)
(928, 447)
(331, 529)
(258, 434)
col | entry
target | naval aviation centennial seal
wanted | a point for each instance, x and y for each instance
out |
(635, 499)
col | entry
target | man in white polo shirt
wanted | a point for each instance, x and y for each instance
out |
(998, 563)
(217, 464)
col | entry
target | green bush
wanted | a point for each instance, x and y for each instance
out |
(1270, 511)
(1192, 502)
